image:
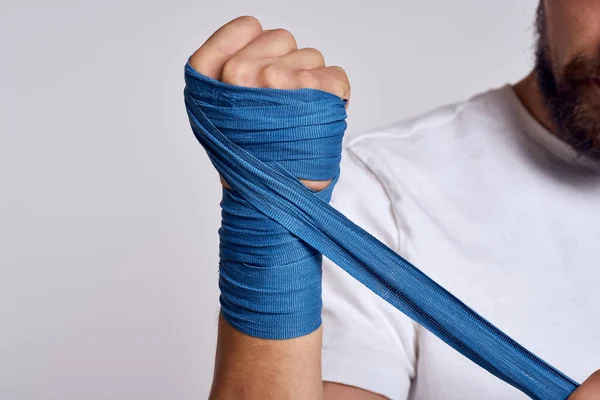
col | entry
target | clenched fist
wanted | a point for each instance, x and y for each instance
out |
(242, 53)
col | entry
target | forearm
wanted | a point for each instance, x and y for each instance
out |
(270, 279)
(252, 368)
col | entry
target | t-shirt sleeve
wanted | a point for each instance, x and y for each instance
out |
(367, 343)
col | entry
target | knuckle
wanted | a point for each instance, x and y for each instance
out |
(273, 76)
(316, 54)
(313, 51)
(197, 60)
(236, 72)
(307, 79)
(340, 80)
(340, 90)
(248, 22)
(340, 72)
(285, 36)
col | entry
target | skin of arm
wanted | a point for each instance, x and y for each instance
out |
(589, 390)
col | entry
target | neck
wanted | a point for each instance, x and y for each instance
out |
(528, 92)
(531, 98)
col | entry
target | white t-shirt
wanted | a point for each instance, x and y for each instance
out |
(497, 210)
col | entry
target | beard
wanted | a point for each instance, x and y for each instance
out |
(569, 94)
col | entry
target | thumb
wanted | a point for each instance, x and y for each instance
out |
(589, 390)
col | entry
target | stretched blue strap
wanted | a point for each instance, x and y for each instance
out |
(275, 229)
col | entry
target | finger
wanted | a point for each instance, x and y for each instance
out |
(307, 58)
(223, 44)
(256, 64)
(589, 390)
(270, 44)
(280, 73)
(331, 79)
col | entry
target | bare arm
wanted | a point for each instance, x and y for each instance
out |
(251, 368)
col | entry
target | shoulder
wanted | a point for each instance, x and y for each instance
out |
(424, 159)
(447, 125)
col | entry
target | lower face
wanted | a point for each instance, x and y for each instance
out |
(568, 74)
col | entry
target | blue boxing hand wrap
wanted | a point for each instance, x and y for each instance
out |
(274, 230)
(270, 280)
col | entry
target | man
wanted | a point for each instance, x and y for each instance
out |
(495, 198)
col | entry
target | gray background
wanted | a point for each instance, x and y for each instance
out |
(109, 206)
